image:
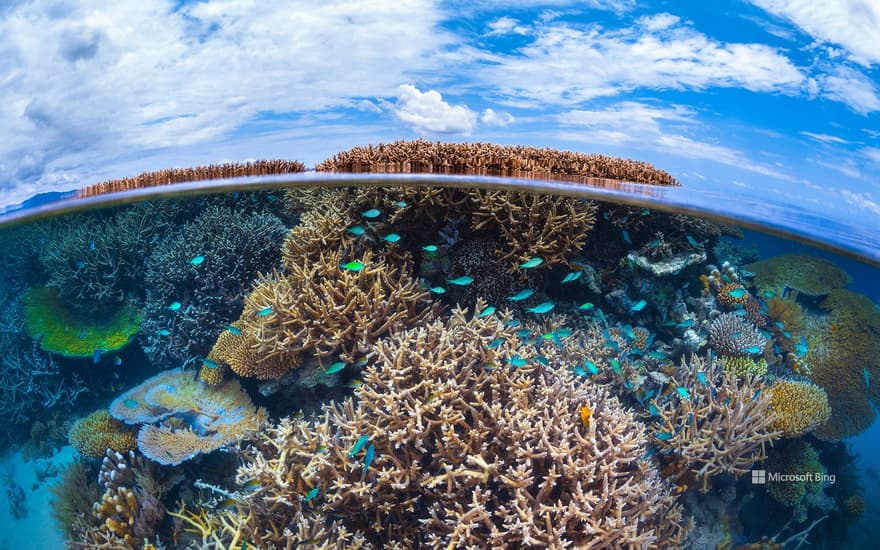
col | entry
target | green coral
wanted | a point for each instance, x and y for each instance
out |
(799, 461)
(806, 274)
(59, 330)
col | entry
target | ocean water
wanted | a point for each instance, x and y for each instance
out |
(406, 362)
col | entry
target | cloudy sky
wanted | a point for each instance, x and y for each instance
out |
(756, 95)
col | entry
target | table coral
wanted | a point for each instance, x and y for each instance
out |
(450, 445)
(182, 417)
(807, 274)
(64, 332)
(99, 431)
(800, 407)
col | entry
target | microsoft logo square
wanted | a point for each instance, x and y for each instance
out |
(759, 477)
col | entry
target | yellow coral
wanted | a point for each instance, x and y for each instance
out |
(744, 366)
(800, 407)
(211, 374)
(99, 431)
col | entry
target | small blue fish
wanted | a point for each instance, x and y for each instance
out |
(542, 308)
(391, 238)
(756, 394)
(335, 367)
(867, 377)
(529, 264)
(518, 361)
(587, 306)
(265, 311)
(654, 244)
(117, 361)
(400, 204)
(311, 494)
(786, 334)
(615, 365)
(692, 241)
(371, 213)
(753, 350)
(356, 230)
(648, 395)
(523, 333)
(91, 245)
(495, 343)
(234, 330)
(780, 324)
(430, 248)
(542, 359)
(368, 458)
(682, 391)
(512, 323)
(626, 237)
(646, 211)
(801, 347)
(359, 445)
(164, 332)
(652, 408)
(197, 260)
(487, 312)
(521, 295)
(96, 356)
(571, 277)
(461, 281)
(702, 378)
(130, 403)
(564, 332)
(737, 293)
(664, 436)
(649, 453)
(769, 294)
(579, 370)
(687, 323)
(437, 290)
(639, 306)
(174, 306)
(209, 363)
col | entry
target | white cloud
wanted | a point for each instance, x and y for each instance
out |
(568, 65)
(872, 153)
(506, 25)
(825, 138)
(644, 126)
(872, 133)
(490, 117)
(851, 87)
(427, 112)
(862, 200)
(123, 78)
(852, 24)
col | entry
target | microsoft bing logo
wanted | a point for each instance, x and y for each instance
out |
(759, 477)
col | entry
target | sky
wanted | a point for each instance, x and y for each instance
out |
(753, 96)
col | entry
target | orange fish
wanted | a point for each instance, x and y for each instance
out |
(585, 413)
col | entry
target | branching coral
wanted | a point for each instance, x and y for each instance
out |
(64, 332)
(806, 274)
(321, 308)
(130, 514)
(800, 407)
(717, 422)
(207, 266)
(460, 448)
(97, 432)
(734, 336)
(183, 418)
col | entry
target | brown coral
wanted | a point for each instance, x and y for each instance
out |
(468, 451)
(97, 432)
(130, 514)
(806, 274)
(854, 505)
(800, 407)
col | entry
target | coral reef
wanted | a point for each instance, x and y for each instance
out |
(74, 494)
(197, 173)
(64, 332)
(732, 335)
(422, 156)
(744, 366)
(806, 274)
(800, 407)
(854, 505)
(207, 266)
(713, 422)
(182, 418)
(799, 463)
(94, 434)
(478, 452)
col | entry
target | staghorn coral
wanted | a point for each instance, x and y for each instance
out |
(468, 452)
(197, 173)
(94, 434)
(800, 407)
(551, 228)
(233, 246)
(799, 462)
(806, 274)
(183, 418)
(319, 308)
(732, 335)
(717, 423)
(62, 331)
(422, 156)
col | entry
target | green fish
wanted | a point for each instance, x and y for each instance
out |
(646, 211)
(371, 213)
(664, 436)
(209, 363)
(542, 359)
(461, 281)
(430, 248)
(356, 230)
(752, 349)
(368, 458)
(682, 391)
(130, 403)
(522, 295)
(542, 308)
(391, 238)
(639, 306)
(359, 445)
(534, 262)
(487, 312)
(174, 306)
(586, 306)
(615, 365)
(234, 330)
(687, 323)
(437, 290)
(737, 293)
(518, 361)
(652, 408)
(311, 494)
(400, 204)
(197, 260)
(495, 343)
(227, 504)
(702, 378)
(692, 241)
(769, 294)
(164, 332)
(353, 266)
(265, 311)
(571, 277)
(252, 484)
(867, 377)
(335, 367)
(591, 367)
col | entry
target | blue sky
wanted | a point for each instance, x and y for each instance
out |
(752, 95)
